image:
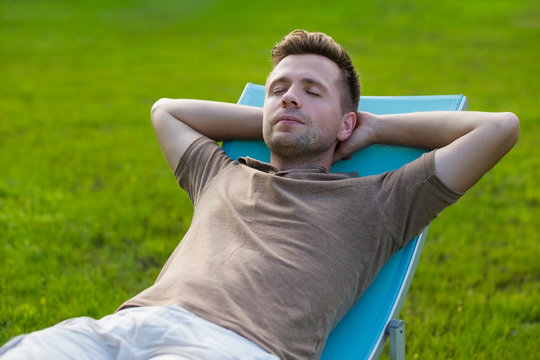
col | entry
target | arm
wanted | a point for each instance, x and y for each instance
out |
(468, 143)
(178, 123)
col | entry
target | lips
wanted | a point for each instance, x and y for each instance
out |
(289, 119)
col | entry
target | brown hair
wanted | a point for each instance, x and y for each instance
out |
(301, 42)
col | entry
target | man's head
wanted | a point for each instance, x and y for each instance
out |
(300, 42)
(311, 100)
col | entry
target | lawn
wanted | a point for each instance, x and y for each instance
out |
(89, 211)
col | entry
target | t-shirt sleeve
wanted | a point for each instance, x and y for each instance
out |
(202, 161)
(412, 196)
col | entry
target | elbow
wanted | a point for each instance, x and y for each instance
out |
(510, 126)
(160, 110)
(157, 107)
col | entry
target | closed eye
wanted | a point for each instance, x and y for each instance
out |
(278, 91)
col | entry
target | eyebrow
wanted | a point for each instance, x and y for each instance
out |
(284, 79)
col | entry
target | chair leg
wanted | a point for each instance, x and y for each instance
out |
(396, 331)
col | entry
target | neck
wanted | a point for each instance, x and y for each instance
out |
(283, 164)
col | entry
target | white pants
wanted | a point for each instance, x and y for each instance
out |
(169, 332)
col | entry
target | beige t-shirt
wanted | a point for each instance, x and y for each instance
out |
(280, 256)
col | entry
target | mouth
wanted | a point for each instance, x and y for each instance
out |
(289, 120)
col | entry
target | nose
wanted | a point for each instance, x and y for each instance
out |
(290, 98)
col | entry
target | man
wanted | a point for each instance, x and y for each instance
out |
(277, 253)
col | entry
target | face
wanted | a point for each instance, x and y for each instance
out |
(303, 116)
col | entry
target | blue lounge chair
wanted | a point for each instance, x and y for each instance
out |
(363, 332)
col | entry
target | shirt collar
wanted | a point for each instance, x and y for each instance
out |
(271, 169)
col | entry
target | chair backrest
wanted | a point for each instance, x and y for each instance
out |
(361, 333)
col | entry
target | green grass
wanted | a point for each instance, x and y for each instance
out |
(89, 210)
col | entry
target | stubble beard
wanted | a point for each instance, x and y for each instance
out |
(296, 146)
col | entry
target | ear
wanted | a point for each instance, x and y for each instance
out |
(348, 123)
